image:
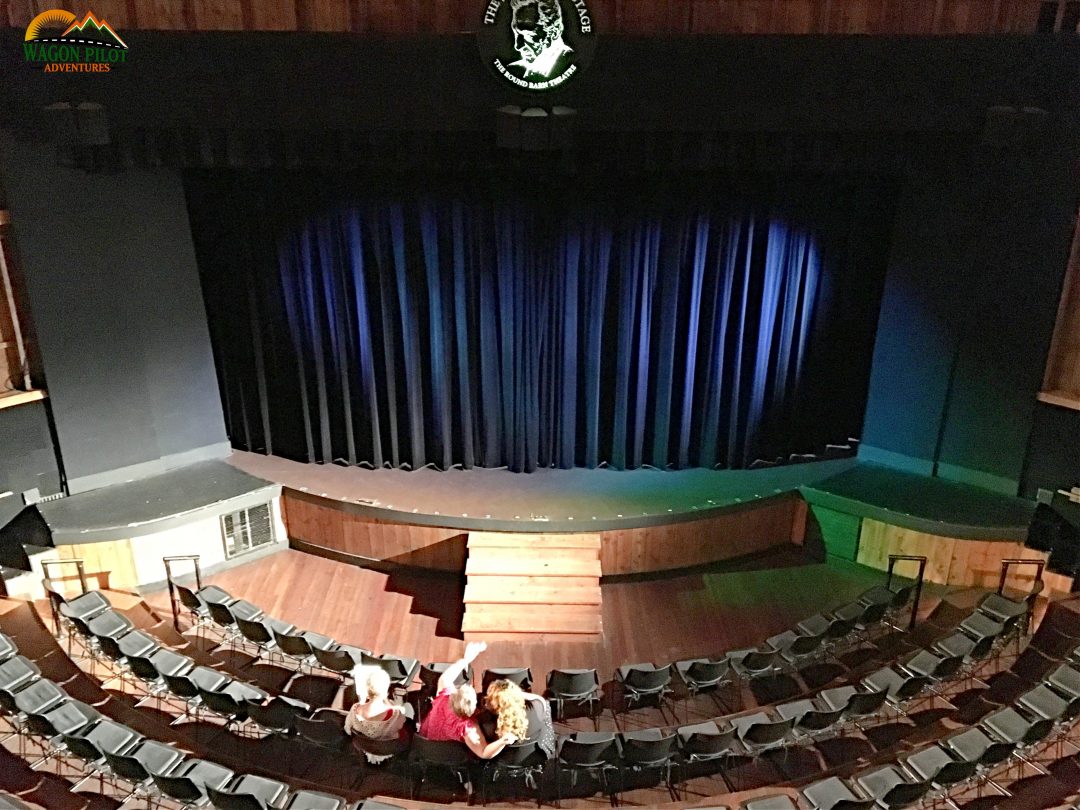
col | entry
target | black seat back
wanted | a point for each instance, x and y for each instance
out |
(587, 751)
(708, 672)
(644, 752)
(255, 632)
(522, 676)
(221, 614)
(769, 732)
(861, 704)
(227, 800)
(648, 680)
(447, 753)
(904, 794)
(294, 644)
(323, 733)
(188, 599)
(179, 788)
(573, 684)
(699, 744)
(335, 660)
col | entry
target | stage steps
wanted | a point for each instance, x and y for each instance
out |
(532, 587)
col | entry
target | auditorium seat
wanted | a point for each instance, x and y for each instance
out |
(1066, 680)
(294, 646)
(899, 686)
(642, 682)
(754, 663)
(833, 794)
(936, 765)
(278, 716)
(189, 782)
(578, 686)
(1042, 701)
(249, 792)
(522, 676)
(649, 749)
(811, 721)
(103, 737)
(973, 745)
(314, 800)
(260, 634)
(451, 757)
(855, 704)
(759, 732)
(402, 671)
(1008, 725)
(891, 787)
(595, 753)
(7, 648)
(324, 732)
(934, 668)
(197, 609)
(339, 660)
(85, 606)
(137, 766)
(703, 743)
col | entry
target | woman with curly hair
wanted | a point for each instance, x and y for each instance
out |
(521, 714)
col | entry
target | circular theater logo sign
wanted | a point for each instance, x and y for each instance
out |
(536, 44)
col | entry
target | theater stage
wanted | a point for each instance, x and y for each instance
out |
(604, 499)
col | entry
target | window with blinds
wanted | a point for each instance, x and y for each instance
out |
(247, 529)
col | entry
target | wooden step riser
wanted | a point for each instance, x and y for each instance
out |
(524, 567)
(504, 553)
(497, 619)
(533, 541)
(507, 590)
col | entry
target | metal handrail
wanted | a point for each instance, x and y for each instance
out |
(1040, 566)
(893, 560)
(78, 563)
(173, 601)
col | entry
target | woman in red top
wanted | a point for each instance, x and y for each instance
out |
(451, 715)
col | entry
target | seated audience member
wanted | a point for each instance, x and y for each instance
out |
(522, 714)
(452, 710)
(375, 716)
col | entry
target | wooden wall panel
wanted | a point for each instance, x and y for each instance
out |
(1061, 384)
(639, 17)
(953, 561)
(275, 15)
(680, 545)
(162, 14)
(329, 527)
(320, 523)
(108, 565)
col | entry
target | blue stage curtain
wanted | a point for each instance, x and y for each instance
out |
(438, 331)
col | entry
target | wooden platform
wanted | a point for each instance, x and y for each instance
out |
(532, 587)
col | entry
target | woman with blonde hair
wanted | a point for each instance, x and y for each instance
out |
(452, 710)
(525, 715)
(375, 716)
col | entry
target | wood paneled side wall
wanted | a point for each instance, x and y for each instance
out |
(952, 561)
(612, 16)
(319, 522)
(1061, 386)
(696, 542)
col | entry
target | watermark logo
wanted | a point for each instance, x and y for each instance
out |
(57, 41)
(536, 44)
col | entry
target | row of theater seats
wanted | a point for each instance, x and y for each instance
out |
(959, 760)
(241, 621)
(805, 719)
(63, 727)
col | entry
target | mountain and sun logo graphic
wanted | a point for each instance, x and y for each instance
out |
(57, 41)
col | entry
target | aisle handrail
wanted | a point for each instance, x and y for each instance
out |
(921, 560)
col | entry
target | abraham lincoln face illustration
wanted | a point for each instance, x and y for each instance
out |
(538, 35)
